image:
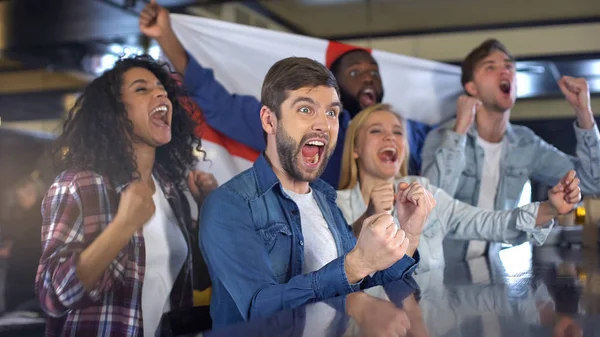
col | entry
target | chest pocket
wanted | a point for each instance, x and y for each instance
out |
(467, 183)
(515, 180)
(277, 238)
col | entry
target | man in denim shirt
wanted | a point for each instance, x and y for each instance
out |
(273, 237)
(481, 159)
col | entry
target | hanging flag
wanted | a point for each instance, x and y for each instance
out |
(241, 55)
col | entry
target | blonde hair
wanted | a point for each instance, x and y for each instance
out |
(349, 174)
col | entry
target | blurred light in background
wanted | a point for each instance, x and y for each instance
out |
(98, 64)
(594, 84)
(524, 85)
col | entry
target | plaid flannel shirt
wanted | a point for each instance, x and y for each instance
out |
(77, 207)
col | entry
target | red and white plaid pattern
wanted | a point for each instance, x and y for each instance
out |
(77, 207)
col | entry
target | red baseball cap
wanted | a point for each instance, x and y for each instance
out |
(335, 50)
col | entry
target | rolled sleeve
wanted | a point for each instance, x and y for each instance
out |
(590, 137)
(64, 290)
(526, 222)
(65, 229)
(403, 268)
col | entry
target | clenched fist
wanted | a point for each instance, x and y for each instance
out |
(201, 184)
(136, 206)
(154, 20)
(466, 107)
(381, 199)
(413, 206)
(566, 194)
(380, 244)
(577, 93)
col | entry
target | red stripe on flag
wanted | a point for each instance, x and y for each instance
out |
(336, 49)
(205, 132)
(233, 147)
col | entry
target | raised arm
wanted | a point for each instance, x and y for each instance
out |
(552, 164)
(444, 158)
(80, 262)
(444, 150)
(464, 221)
(156, 24)
(236, 116)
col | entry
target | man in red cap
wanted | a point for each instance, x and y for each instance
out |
(355, 69)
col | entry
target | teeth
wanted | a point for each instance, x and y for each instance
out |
(160, 109)
(316, 143)
(393, 150)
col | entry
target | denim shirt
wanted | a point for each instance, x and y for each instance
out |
(454, 162)
(252, 241)
(455, 219)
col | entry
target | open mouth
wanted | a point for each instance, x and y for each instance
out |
(159, 116)
(312, 152)
(505, 87)
(367, 97)
(388, 155)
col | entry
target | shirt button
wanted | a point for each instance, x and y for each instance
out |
(94, 293)
(301, 243)
(294, 211)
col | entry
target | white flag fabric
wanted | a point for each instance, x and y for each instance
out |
(241, 55)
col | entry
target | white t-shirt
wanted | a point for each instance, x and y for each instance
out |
(319, 244)
(490, 176)
(166, 251)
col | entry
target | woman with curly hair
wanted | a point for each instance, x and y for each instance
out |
(116, 225)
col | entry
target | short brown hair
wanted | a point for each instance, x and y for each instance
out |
(476, 55)
(291, 74)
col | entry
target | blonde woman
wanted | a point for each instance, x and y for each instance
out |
(375, 162)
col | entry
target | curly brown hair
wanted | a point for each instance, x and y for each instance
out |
(96, 133)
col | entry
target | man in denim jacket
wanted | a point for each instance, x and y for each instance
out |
(481, 159)
(273, 237)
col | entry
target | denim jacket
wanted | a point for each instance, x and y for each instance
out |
(456, 219)
(252, 241)
(454, 162)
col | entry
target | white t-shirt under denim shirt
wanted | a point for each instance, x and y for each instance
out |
(319, 244)
(319, 250)
(490, 177)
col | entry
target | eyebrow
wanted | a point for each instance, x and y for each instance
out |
(353, 63)
(313, 102)
(507, 60)
(381, 124)
(303, 99)
(337, 103)
(143, 81)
